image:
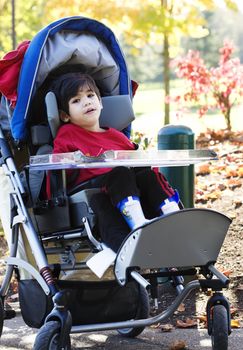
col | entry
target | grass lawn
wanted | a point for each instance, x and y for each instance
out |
(149, 110)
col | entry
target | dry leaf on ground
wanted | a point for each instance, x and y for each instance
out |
(154, 326)
(235, 324)
(186, 324)
(222, 187)
(233, 311)
(178, 345)
(231, 172)
(240, 287)
(233, 183)
(240, 171)
(203, 169)
(166, 327)
(237, 203)
(214, 195)
(202, 318)
(227, 273)
(181, 307)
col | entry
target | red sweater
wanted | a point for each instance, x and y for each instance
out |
(71, 137)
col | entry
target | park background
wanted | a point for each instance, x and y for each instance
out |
(151, 33)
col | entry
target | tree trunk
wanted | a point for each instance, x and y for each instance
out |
(166, 8)
(13, 24)
(227, 119)
(166, 77)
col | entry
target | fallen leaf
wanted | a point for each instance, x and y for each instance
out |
(155, 326)
(227, 273)
(178, 345)
(231, 172)
(186, 324)
(218, 168)
(213, 195)
(221, 187)
(201, 187)
(240, 171)
(235, 324)
(181, 307)
(238, 203)
(233, 183)
(202, 318)
(203, 169)
(233, 311)
(240, 287)
(231, 215)
(166, 327)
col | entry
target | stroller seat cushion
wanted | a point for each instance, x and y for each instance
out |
(40, 135)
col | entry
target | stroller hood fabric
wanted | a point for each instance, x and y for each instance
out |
(70, 41)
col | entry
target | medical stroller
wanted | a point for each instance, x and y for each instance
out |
(51, 240)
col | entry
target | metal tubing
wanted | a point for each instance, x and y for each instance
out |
(142, 281)
(179, 288)
(92, 239)
(218, 274)
(12, 168)
(10, 268)
(140, 323)
(21, 263)
(69, 267)
(22, 212)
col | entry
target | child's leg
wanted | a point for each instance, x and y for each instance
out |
(112, 227)
(155, 192)
(121, 186)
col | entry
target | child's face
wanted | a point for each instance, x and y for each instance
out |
(84, 109)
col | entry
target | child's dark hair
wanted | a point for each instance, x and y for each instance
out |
(67, 86)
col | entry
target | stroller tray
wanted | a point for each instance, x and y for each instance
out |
(126, 158)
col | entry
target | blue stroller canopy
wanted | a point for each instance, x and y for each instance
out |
(50, 39)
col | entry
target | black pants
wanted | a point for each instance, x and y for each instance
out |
(151, 187)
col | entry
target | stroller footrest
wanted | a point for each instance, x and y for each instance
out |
(189, 237)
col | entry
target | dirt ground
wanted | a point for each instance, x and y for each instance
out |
(219, 186)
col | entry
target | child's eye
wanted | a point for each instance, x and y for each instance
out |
(76, 100)
(91, 94)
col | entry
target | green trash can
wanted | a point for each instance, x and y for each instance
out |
(181, 178)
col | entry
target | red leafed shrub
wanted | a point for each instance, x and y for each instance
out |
(218, 87)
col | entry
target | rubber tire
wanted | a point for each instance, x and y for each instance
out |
(48, 336)
(1, 316)
(142, 313)
(219, 328)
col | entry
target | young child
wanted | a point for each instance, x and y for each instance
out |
(133, 194)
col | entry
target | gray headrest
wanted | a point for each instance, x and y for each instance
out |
(117, 112)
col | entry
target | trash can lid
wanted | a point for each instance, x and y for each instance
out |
(175, 130)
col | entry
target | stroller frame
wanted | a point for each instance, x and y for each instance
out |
(145, 251)
(127, 265)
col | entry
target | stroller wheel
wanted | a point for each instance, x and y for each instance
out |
(219, 328)
(142, 313)
(48, 337)
(1, 316)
